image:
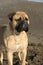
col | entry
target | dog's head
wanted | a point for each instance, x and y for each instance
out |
(19, 21)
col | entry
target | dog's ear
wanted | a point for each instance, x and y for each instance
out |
(10, 16)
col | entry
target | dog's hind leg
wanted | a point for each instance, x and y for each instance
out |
(19, 54)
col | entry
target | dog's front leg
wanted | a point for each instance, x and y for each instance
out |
(24, 57)
(10, 58)
(1, 58)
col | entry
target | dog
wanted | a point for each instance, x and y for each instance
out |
(15, 36)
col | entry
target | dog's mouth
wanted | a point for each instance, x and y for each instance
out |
(23, 26)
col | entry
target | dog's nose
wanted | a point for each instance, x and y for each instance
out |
(26, 26)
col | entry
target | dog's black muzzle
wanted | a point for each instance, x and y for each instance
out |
(23, 26)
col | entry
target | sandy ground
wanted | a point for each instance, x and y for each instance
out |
(35, 11)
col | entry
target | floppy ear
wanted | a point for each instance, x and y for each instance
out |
(10, 16)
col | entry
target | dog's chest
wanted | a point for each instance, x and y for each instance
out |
(16, 43)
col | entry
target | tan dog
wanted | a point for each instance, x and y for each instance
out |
(15, 36)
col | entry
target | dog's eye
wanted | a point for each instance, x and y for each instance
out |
(26, 19)
(18, 19)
